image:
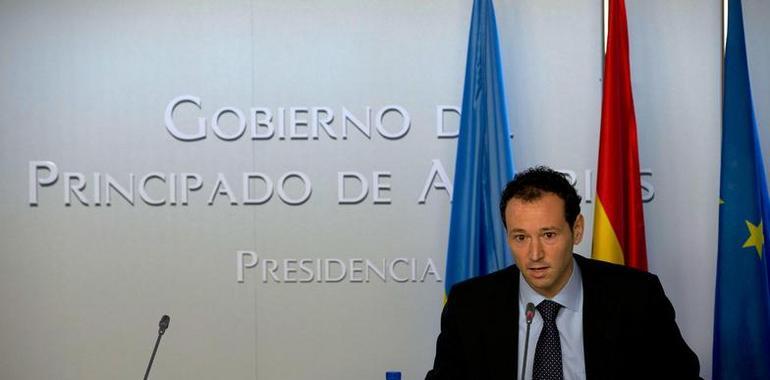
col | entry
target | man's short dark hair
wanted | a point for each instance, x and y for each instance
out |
(533, 183)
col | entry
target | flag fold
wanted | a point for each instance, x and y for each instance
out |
(618, 213)
(484, 162)
(742, 296)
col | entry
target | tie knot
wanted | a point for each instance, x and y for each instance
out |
(549, 310)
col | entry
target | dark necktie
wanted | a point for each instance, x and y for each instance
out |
(547, 365)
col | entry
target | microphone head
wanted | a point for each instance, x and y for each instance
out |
(164, 321)
(530, 313)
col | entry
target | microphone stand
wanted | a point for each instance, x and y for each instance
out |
(530, 314)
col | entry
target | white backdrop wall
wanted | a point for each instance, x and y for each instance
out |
(85, 86)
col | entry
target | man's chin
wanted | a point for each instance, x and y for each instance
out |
(540, 284)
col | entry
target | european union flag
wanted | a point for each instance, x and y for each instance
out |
(477, 239)
(742, 304)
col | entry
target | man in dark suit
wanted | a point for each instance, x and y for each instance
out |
(605, 321)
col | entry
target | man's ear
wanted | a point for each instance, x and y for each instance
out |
(577, 230)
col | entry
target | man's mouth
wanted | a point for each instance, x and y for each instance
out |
(538, 271)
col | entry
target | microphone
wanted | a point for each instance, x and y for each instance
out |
(162, 326)
(529, 314)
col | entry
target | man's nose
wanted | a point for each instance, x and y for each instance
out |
(536, 250)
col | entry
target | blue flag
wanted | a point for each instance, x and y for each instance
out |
(477, 239)
(742, 303)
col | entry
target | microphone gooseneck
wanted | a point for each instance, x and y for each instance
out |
(162, 326)
(529, 315)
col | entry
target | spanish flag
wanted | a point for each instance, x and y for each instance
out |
(618, 216)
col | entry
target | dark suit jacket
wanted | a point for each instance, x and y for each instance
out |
(629, 331)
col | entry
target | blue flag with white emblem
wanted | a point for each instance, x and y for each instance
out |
(742, 303)
(484, 164)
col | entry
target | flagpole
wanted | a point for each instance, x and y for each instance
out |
(605, 26)
(724, 27)
(725, 11)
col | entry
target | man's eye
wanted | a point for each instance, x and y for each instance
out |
(549, 235)
(518, 237)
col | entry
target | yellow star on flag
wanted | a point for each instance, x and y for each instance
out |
(756, 237)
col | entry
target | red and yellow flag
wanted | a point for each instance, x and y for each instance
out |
(618, 216)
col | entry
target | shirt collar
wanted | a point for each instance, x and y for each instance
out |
(568, 297)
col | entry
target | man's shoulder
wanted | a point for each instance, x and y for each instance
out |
(620, 275)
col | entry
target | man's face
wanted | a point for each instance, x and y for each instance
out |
(541, 241)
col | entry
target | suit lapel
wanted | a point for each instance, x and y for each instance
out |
(598, 323)
(503, 329)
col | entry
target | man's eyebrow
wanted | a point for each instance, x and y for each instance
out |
(541, 230)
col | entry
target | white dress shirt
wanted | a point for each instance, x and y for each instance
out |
(569, 322)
